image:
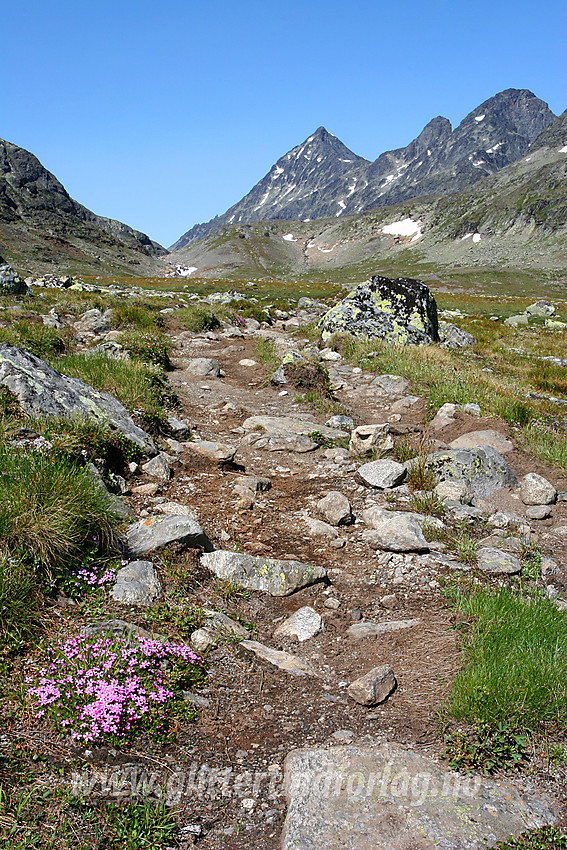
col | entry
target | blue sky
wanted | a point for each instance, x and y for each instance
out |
(163, 114)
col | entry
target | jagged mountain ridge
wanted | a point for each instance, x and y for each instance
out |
(36, 208)
(439, 161)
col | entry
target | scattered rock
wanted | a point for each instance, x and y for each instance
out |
(94, 321)
(203, 367)
(367, 437)
(374, 687)
(202, 639)
(136, 584)
(394, 531)
(158, 467)
(542, 309)
(366, 629)
(178, 429)
(382, 474)
(391, 384)
(398, 310)
(538, 512)
(317, 528)
(11, 283)
(156, 532)
(451, 491)
(537, 490)
(145, 489)
(253, 482)
(340, 421)
(282, 660)
(175, 509)
(482, 469)
(304, 624)
(212, 450)
(276, 577)
(336, 509)
(453, 337)
(516, 321)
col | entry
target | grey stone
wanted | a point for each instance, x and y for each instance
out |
(94, 321)
(537, 490)
(493, 560)
(453, 337)
(215, 451)
(303, 624)
(504, 519)
(336, 509)
(366, 629)
(286, 426)
(203, 367)
(452, 491)
(374, 687)
(153, 533)
(516, 321)
(541, 309)
(178, 429)
(392, 798)
(253, 482)
(175, 509)
(482, 469)
(136, 584)
(491, 438)
(117, 628)
(340, 421)
(278, 578)
(158, 467)
(42, 391)
(118, 506)
(202, 639)
(282, 660)
(11, 283)
(318, 528)
(278, 377)
(367, 437)
(398, 310)
(222, 623)
(394, 531)
(538, 512)
(382, 474)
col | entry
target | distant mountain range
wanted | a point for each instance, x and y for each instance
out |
(40, 224)
(322, 178)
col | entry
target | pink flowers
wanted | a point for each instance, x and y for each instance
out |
(104, 689)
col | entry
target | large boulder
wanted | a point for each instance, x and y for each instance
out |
(398, 310)
(11, 283)
(482, 469)
(42, 391)
(153, 533)
(278, 578)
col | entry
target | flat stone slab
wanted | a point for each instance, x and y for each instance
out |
(387, 797)
(282, 660)
(156, 532)
(273, 576)
(359, 631)
(203, 367)
(213, 450)
(491, 438)
(493, 560)
(318, 528)
(283, 426)
(42, 391)
(303, 624)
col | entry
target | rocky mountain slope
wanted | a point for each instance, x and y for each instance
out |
(322, 178)
(515, 219)
(40, 224)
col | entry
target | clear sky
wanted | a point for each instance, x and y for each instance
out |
(163, 113)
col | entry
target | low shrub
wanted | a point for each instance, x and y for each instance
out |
(148, 347)
(198, 318)
(106, 689)
(486, 748)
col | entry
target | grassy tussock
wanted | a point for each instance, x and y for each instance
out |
(38, 339)
(515, 666)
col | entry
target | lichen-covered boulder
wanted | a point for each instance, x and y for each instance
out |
(482, 469)
(398, 310)
(11, 283)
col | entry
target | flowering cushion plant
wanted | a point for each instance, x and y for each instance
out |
(104, 689)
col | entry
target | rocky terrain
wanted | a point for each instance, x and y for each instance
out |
(321, 177)
(314, 558)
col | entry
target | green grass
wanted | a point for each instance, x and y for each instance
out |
(138, 315)
(265, 352)
(38, 339)
(515, 661)
(18, 600)
(50, 509)
(149, 347)
(200, 318)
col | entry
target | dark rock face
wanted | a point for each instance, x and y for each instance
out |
(399, 310)
(323, 178)
(31, 195)
(11, 283)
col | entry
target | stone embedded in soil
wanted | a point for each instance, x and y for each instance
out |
(202, 639)
(156, 532)
(282, 660)
(382, 474)
(253, 482)
(537, 490)
(213, 450)
(336, 508)
(391, 384)
(374, 687)
(394, 531)
(178, 429)
(136, 584)
(482, 469)
(366, 629)
(318, 528)
(451, 491)
(492, 560)
(203, 367)
(221, 622)
(365, 438)
(175, 508)
(116, 628)
(303, 624)
(357, 798)
(276, 577)
(284, 426)
(538, 512)
(491, 438)
(146, 489)
(158, 467)
(42, 391)
(339, 420)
